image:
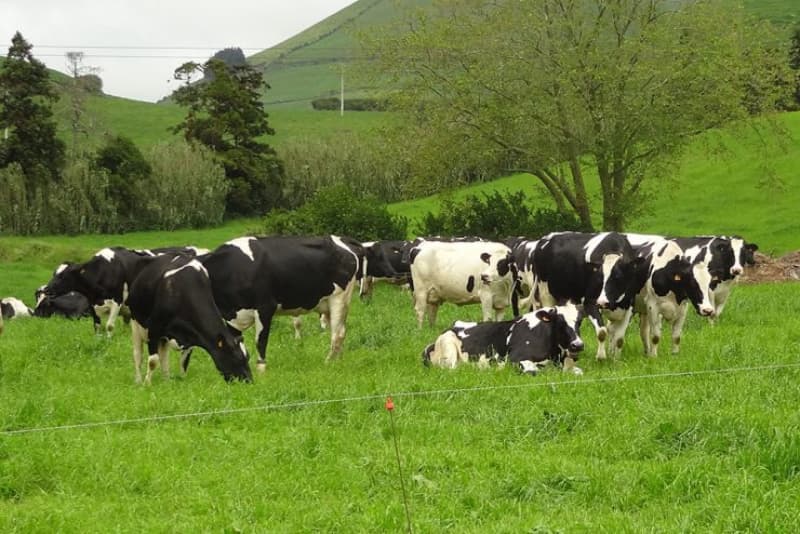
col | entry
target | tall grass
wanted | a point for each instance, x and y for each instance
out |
(482, 451)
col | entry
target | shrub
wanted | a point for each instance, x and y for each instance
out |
(495, 216)
(127, 170)
(187, 188)
(338, 210)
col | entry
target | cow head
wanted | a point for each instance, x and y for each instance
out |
(743, 254)
(230, 356)
(564, 322)
(500, 267)
(686, 280)
(86, 278)
(622, 280)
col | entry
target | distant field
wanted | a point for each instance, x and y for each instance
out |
(707, 195)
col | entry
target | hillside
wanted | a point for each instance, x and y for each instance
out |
(309, 64)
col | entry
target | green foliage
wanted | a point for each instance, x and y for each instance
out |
(358, 161)
(350, 104)
(338, 210)
(543, 87)
(27, 129)
(127, 170)
(186, 189)
(496, 216)
(226, 114)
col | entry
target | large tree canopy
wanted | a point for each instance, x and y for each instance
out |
(556, 87)
(27, 129)
(226, 114)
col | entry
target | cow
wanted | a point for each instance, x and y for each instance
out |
(522, 250)
(727, 258)
(529, 341)
(673, 281)
(71, 305)
(384, 261)
(12, 307)
(254, 278)
(105, 279)
(462, 272)
(568, 266)
(171, 301)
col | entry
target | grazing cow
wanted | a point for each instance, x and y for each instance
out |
(171, 301)
(71, 305)
(384, 262)
(672, 282)
(529, 341)
(462, 272)
(570, 266)
(255, 278)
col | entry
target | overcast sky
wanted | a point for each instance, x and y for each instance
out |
(156, 36)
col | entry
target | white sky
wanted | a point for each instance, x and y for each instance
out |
(183, 30)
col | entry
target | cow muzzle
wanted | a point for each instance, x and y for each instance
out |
(736, 271)
(576, 346)
(706, 311)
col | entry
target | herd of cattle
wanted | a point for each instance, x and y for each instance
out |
(187, 297)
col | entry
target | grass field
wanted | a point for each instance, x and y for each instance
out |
(634, 445)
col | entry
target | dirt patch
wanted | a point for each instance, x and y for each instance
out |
(769, 269)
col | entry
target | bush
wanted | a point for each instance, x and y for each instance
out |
(495, 216)
(187, 188)
(338, 210)
(127, 170)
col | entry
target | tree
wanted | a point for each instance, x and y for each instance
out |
(794, 63)
(612, 90)
(226, 114)
(127, 170)
(83, 82)
(26, 118)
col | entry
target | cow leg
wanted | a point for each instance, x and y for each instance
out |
(163, 358)
(95, 320)
(138, 336)
(616, 333)
(324, 320)
(432, 310)
(154, 344)
(297, 322)
(111, 322)
(263, 324)
(420, 305)
(677, 327)
(338, 308)
(654, 322)
(593, 313)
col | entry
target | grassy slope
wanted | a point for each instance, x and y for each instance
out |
(708, 195)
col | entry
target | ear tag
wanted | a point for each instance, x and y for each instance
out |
(83, 271)
(219, 343)
(677, 278)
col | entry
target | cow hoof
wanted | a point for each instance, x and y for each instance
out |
(261, 367)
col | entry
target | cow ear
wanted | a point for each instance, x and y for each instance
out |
(485, 257)
(543, 315)
(751, 246)
(661, 281)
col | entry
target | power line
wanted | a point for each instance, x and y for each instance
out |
(404, 394)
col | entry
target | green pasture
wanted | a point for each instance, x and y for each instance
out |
(706, 441)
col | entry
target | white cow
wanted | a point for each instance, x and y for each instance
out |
(462, 272)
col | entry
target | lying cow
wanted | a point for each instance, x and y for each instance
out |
(171, 301)
(11, 307)
(530, 341)
(71, 305)
(462, 272)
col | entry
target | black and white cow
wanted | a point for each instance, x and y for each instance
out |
(71, 305)
(384, 261)
(530, 341)
(727, 258)
(255, 278)
(12, 307)
(568, 266)
(673, 282)
(522, 250)
(171, 302)
(462, 272)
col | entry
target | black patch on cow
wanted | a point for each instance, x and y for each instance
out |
(485, 257)
(7, 310)
(470, 283)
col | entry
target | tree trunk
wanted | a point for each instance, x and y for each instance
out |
(581, 198)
